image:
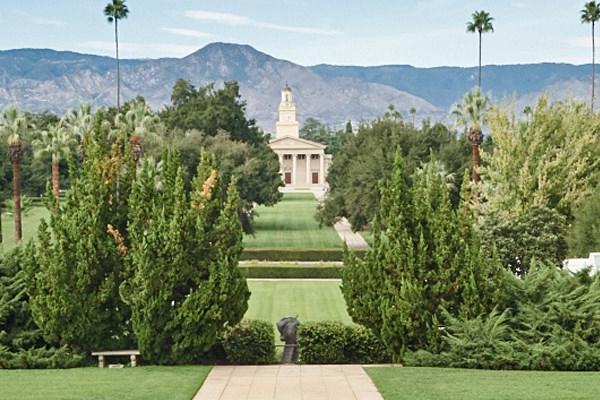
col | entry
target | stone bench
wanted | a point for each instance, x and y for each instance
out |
(131, 353)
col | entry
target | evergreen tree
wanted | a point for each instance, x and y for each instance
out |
(192, 247)
(584, 235)
(425, 261)
(74, 267)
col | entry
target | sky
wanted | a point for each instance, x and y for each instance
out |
(423, 33)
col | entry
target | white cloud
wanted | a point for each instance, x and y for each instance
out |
(186, 32)
(241, 20)
(130, 49)
(224, 18)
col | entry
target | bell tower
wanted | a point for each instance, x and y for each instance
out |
(287, 124)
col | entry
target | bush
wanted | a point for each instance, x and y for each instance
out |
(330, 342)
(250, 342)
(291, 272)
(40, 358)
(293, 254)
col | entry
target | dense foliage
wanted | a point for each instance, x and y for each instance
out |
(315, 131)
(553, 324)
(539, 233)
(425, 261)
(250, 342)
(215, 119)
(123, 227)
(584, 235)
(367, 158)
(550, 159)
(330, 342)
(21, 341)
(192, 246)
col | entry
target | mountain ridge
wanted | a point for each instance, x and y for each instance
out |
(59, 80)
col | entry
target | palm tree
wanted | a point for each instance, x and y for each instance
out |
(57, 141)
(413, 113)
(81, 124)
(115, 11)
(14, 126)
(591, 14)
(141, 125)
(481, 23)
(470, 113)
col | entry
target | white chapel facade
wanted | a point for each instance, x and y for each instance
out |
(303, 164)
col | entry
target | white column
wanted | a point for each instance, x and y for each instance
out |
(295, 156)
(281, 170)
(322, 168)
(308, 177)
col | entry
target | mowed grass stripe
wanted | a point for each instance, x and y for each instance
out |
(140, 383)
(468, 384)
(309, 300)
(291, 224)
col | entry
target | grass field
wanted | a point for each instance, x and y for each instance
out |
(147, 383)
(291, 224)
(30, 223)
(309, 300)
(461, 384)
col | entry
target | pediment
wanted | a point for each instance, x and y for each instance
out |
(290, 142)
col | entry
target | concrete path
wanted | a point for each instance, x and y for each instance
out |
(288, 382)
(353, 240)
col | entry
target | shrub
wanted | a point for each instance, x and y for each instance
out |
(40, 358)
(330, 342)
(293, 254)
(250, 342)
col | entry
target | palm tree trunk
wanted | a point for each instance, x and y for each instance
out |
(16, 170)
(55, 179)
(118, 65)
(1, 235)
(593, 64)
(479, 81)
(476, 160)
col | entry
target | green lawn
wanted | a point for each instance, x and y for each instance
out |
(461, 384)
(147, 383)
(291, 224)
(30, 223)
(309, 300)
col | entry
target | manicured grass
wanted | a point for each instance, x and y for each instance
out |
(147, 383)
(30, 223)
(461, 384)
(291, 224)
(309, 300)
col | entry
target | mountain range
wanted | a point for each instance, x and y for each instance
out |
(56, 81)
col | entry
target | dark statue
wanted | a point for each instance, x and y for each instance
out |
(287, 327)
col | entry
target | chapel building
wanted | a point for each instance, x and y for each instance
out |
(303, 164)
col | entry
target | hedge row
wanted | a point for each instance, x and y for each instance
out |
(291, 272)
(330, 342)
(295, 254)
(250, 342)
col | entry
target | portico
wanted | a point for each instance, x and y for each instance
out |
(303, 163)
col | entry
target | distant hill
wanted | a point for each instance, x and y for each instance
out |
(48, 80)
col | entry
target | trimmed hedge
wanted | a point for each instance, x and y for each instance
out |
(331, 342)
(291, 272)
(293, 254)
(283, 254)
(250, 342)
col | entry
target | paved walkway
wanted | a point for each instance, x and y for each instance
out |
(288, 382)
(353, 240)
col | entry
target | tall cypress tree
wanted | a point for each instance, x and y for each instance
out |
(425, 261)
(184, 285)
